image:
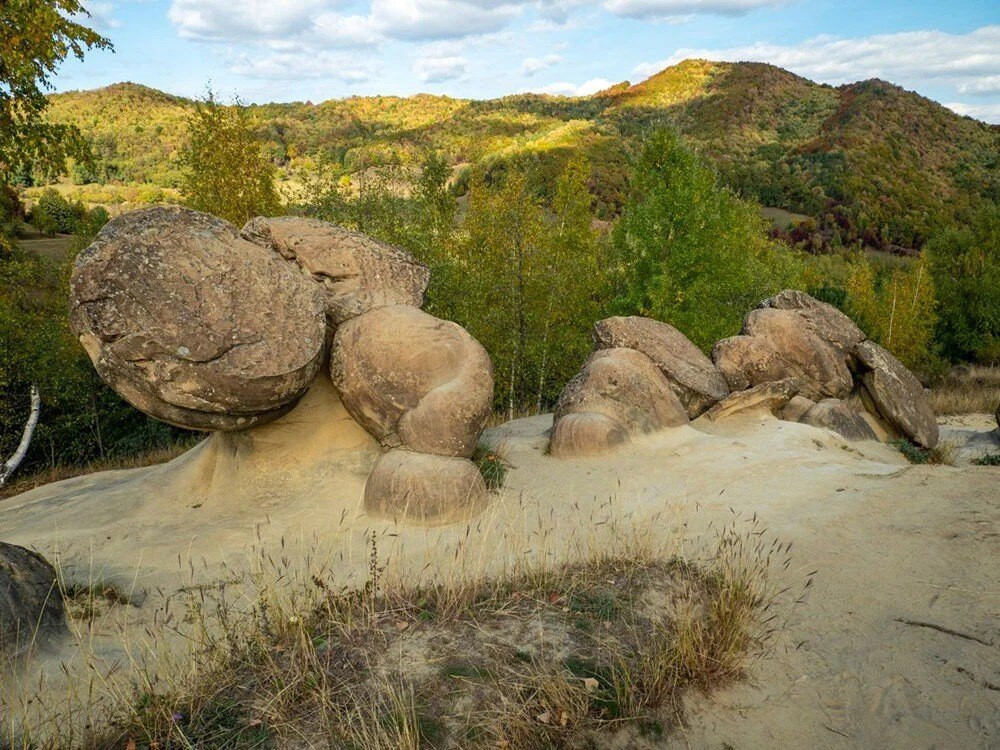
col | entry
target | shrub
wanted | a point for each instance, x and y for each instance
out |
(54, 213)
(965, 263)
(992, 459)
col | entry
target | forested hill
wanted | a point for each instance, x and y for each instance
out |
(868, 160)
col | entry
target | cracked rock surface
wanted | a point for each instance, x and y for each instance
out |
(194, 325)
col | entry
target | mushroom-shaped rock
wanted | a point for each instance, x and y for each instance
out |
(622, 393)
(778, 344)
(822, 319)
(424, 488)
(413, 380)
(31, 605)
(767, 397)
(692, 376)
(896, 394)
(357, 273)
(834, 414)
(194, 325)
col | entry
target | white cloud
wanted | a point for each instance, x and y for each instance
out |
(532, 65)
(287, 66)
(441, 19)
(985, 112)
(239, 20)
(908, 57)
(680, 8)
(438, 69)
(985, 86)
(563, 88)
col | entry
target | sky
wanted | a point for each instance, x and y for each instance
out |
(313, 50)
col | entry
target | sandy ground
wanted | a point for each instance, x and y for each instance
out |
(896, 645)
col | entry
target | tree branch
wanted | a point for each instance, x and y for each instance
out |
(8, 467)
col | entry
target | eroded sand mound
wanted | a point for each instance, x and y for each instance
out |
(897, 644)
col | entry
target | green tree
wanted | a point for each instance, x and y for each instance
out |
(526, 283)
(226, 171)
(688, 251)
(37, 35)
(965, 263)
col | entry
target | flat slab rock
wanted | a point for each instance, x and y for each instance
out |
(356, 272)
(692, 376)
(194, 325)
(768, 397)
(897, 394)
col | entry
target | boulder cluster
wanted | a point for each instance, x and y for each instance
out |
(209, 327)
(799, 358)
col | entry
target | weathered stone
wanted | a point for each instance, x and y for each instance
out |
(692, 376)
(795, 408)
(769, 397)
(625, 386)
(861, 402)
(424, 488)
(834, 414)
(413, 380)
(824, 320)
(194, 325)
(800, 353)
(896, 394)
(31, 605)
(586, 434)
(357, 273)
(745, 361)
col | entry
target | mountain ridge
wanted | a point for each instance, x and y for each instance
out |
(868, 160)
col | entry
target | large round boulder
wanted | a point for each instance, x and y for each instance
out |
(31, 605)
(622, 393)
(822, 319)
(896, 394)
(413, 380)
(356, 273)
(692, 376)
(778, 344)
(194, 325)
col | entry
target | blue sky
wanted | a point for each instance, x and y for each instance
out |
(288, 50)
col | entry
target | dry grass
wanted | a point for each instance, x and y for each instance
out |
(59, 473)
(969, 389)
(537, 655)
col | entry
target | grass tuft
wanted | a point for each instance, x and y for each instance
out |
(943, 453)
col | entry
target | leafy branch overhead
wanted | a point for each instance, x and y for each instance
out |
(37, 36)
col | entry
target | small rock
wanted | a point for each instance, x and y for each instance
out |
(795, 408)
(424, 488)
(31, 605)
(834, 414)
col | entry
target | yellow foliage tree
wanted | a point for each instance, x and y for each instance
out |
(897, 311)
(226, 172)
